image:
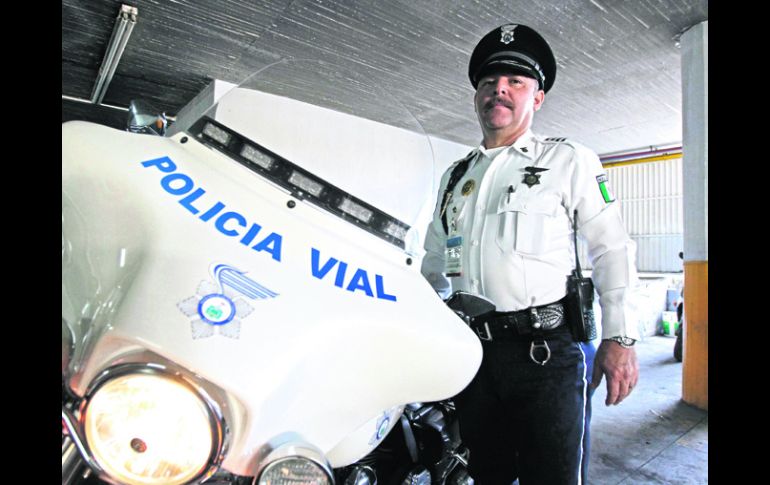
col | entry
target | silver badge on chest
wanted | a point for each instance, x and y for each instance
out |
(506, 32)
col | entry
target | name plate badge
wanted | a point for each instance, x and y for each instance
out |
(454, 256)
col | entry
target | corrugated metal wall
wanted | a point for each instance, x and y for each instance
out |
(650, 195)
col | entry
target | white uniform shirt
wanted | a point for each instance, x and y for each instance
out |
(517, 247)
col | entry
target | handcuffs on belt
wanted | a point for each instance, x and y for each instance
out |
(537, 334)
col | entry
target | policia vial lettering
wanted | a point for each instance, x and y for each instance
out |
(226, 221)
(233, 224)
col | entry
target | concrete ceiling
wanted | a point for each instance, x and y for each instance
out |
(617, 86)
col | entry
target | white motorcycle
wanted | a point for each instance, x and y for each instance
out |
(242, 300)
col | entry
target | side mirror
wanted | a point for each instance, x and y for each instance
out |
(468, 305)
(144, 118)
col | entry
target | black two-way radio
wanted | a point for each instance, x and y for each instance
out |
(580, 299)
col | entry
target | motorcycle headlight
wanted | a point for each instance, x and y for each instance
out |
(151, 428)
(295, 470)
(294, 462)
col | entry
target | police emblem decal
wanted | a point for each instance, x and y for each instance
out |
(604, 189)
(532, 177)
(381, 428)
(468, 187)
(506, 33)
(220, 307)
(216, 309)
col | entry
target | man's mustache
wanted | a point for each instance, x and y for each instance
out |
(498, 101)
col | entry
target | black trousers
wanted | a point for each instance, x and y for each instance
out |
(527, 421)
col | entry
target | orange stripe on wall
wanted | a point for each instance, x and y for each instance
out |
(695, 372)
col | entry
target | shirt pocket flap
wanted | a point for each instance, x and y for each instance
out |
(546, 206)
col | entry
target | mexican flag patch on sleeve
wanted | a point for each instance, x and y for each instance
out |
(605, 190)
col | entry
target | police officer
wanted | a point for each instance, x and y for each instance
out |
(503, 229)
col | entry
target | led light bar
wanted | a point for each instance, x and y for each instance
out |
(216, 133)
(396, 229)
(306, 183)
(299, 182)
(253, 155)
(359, 212)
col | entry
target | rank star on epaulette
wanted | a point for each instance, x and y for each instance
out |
(532, 177)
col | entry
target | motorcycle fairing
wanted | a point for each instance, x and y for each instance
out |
(323, 358)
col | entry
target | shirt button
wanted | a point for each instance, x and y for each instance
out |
(475, 243)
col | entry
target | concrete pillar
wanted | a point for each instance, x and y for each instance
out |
(695, 108)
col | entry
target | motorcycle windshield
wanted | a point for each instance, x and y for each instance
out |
(335, 138)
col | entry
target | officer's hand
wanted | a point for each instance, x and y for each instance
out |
(621, 368)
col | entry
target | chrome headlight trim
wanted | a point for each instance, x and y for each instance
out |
(75, 434)
(294, 449)
(219, 431)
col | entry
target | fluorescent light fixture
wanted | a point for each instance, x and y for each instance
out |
(124, 24)
(217, 134)
(358, 211)
(306, 183)
(257, 157)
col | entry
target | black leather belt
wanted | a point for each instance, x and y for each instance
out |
(520, 325)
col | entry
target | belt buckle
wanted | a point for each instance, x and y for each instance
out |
(487, 334)
(550, 317)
